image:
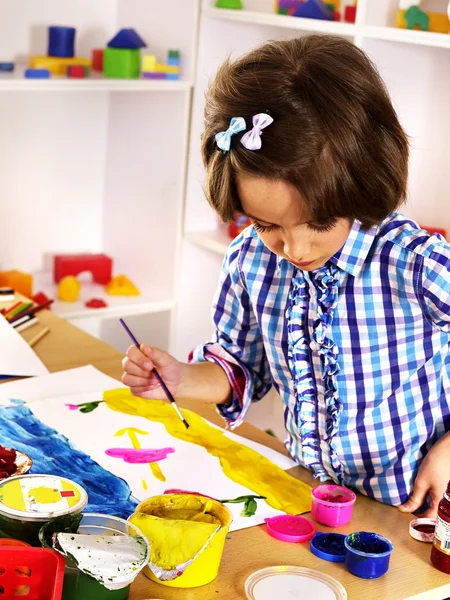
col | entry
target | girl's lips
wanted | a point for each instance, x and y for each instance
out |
(304, 264)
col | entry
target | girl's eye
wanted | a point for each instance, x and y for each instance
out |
(327, 225)
(262, 228)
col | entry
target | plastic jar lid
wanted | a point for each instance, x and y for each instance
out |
(288, 528)
(422, 529)
(329, 546)
(39, 498)
(284, 582)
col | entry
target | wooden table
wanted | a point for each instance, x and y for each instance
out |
(410, 575)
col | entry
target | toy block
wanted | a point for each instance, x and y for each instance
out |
(173, 62)
(314, 9)
(97, 59)
(172, 76)
(234, 4)
(161, 68)
(99, 265)
(416, 18)
(6, 67)
(69, 289)
(148, 63)
(350, 14)
(120, 285)
(121, 63)
(287, 7)
(17, 280)
(174, 54)
(127, 39)
(41, 298)
(77, 72)
(433, 230)
(154, 75)
(37, 74)
(95, 303)
(61, 41)
(57, 66)
(172, 70)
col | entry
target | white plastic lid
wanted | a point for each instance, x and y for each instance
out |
(288, 583)
(40, 498)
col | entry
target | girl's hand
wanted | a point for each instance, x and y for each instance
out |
(432, 479)
(138, 366)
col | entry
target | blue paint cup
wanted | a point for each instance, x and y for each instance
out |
(367, 554)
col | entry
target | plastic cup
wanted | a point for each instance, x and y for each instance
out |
(368, 554)
(332, 505)
(77, 584)
(205, 567)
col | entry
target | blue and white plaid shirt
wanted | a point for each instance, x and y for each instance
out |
(358, 350)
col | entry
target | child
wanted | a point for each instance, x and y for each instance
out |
(331, 295)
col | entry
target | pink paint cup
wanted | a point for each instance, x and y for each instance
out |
(332, 505)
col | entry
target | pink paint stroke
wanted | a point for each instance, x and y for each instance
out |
(72, 406)
(141, 456)
(177, 491)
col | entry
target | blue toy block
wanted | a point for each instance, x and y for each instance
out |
(173, 62)
(314, 9)
(127, 39)
(61, 42)
(172, 76)
(37, 74)
(6, 67)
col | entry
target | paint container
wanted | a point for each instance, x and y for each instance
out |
(174, 513)
(28, 502)
(288, 528)
(332, 505)
(367, 554)
(422, 529)
(329, 546)
(292, 582)
(78, 585)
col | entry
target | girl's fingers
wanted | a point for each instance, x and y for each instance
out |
(132, 368)
(133, 380)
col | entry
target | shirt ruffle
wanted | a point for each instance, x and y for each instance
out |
(326, 284)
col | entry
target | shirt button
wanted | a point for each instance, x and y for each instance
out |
(314, 346)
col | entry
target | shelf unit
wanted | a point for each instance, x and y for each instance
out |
(97, 172)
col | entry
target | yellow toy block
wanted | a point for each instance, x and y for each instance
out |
(439, 22)
(120, 285)
(148, 63)
(160, 68)
(57, 66)
(69, 288)
(172, 69)
(18, 281)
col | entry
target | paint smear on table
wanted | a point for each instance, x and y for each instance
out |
(240, 463)
(141, 456)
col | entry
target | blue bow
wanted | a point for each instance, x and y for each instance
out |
(223, 139)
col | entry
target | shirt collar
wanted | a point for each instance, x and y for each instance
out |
(353, 254)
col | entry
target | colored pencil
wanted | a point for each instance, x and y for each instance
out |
(157, 375)
(32, 310)
(6, 311)
(29, 323)
(24, 306)
(38, 337)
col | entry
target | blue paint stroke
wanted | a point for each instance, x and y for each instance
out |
(53, 454)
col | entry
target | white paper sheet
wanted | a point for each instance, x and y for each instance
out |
(17, 359)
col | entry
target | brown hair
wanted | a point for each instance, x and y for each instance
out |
(335, 137)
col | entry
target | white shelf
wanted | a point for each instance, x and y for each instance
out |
(16, 82)
(151, 300)
(217, 240)
(394, 34)
(273, 20)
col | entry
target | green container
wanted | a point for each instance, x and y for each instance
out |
(78, 585)
(121, 63)
(28, 502)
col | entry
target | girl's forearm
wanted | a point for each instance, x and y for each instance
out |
(205, 381)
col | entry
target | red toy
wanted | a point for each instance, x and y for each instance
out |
(77, 72)
(433, 230)
(97, 60)
(350, 14)
(40, 298)
(99, 265)
(239, 224)
(96, 303)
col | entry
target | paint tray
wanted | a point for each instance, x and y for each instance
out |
(34, 573)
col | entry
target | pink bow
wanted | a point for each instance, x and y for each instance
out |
(252, 139)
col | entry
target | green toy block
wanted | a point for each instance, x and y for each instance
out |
(121, 63)
(236, 4)
(415, 17)
(283, 11)
(174, 54)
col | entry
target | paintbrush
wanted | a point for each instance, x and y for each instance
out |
(157, 375)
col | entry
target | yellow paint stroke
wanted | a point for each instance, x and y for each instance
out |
(45, 495)
(240, 463)
(144, 484)
(132, 434)
(156, 470)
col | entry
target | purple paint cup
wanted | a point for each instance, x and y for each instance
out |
(332, 505)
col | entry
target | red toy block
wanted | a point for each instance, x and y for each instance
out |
(97, 59)
(95, 303)
(40, 298)
(350, 14)
(99, 265)
(77, 72)
(433, 230)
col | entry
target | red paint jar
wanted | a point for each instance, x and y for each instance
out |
(440, 553)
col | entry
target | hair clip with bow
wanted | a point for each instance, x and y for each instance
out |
(252, 139)
(223, 139)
